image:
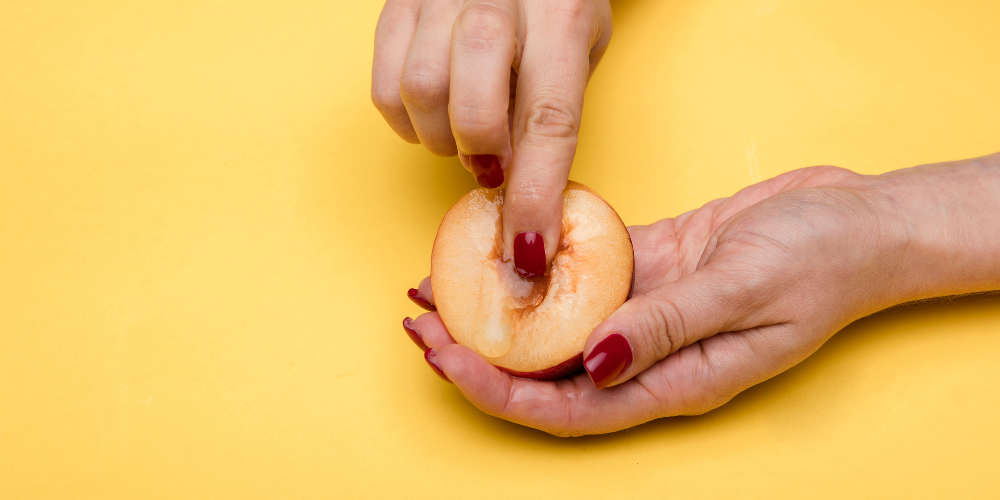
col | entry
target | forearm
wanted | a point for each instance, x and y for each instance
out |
(949, 216)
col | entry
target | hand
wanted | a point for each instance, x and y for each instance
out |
(744, 288)
(779, 267)
(501, 84)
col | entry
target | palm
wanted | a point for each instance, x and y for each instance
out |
(695, 376)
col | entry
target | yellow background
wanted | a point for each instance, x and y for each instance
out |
(207, 233)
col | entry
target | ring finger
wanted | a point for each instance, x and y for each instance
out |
(424, 83)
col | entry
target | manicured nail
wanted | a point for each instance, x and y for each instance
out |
(487, 170)
(414, 295)
(610, 358)
(414, 336)
(429, 355)
(529, 255)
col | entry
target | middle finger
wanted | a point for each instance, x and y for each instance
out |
(484, 45)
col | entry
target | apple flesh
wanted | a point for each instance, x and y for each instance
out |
(530, 327)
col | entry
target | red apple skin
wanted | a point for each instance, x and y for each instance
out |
(567, 368)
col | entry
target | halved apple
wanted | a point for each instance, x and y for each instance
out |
(530, 327)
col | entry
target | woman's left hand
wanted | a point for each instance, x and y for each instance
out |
(725, 297)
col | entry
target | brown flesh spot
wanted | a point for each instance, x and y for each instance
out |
(523, 307)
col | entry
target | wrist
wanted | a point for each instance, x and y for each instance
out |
(946, 228)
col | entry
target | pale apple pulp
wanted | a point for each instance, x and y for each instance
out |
(534, 327)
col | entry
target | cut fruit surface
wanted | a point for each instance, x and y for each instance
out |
(530, 327)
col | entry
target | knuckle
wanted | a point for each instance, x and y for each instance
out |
(578, 11)
(829, 170)
(424, 85)
(534, 195)
(558, 419)
(569, 424)
(708, 400)
(568, 417)
(551, 118)
(584, 18)
(481, 25)
(502, 409)
(663, 327)
(705, 393)
(386, 100)
(827, 175)
(705, 404)
(474, 121)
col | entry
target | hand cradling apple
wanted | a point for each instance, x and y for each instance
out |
(530, 327)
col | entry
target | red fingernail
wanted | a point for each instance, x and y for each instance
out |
(529, 255)
(487, 170)
(414, 295)
(429, 355)
(414, 336)
(610, 358)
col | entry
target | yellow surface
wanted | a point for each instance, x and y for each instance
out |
(206, 234)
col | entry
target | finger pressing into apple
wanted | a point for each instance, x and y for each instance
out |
(556, 59)
(529, 326)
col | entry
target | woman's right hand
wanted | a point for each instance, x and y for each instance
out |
(500, 83)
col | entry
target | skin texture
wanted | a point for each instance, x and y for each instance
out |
(494, 77)
(731, 294)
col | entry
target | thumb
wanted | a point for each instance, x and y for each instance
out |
(660, 322)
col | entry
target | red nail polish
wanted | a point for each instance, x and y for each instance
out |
(429, 355)
(414, 336)
(610, 358)
(414, 295)
(487, 170)
(529, 255)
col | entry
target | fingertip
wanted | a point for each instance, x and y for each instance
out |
(532, 211)
(425, 290)
(414, 295)
(430, 355)
(611, 357)
(413, 334)
(394, 113)
(611, 351)
(405, 131)
(529, 254)
(432, 330)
